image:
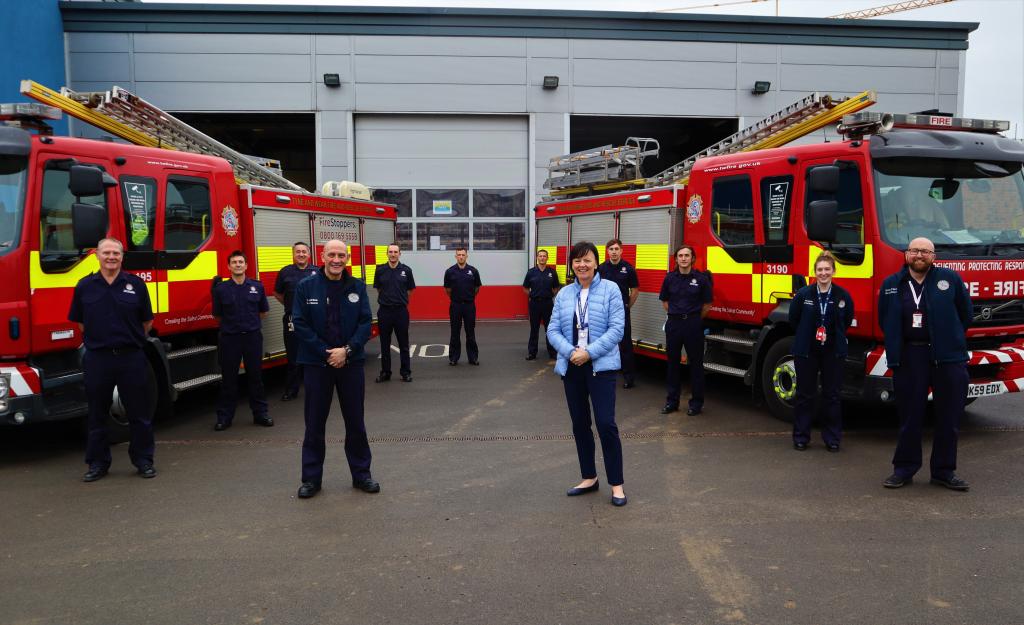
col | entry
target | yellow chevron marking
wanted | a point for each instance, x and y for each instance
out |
(38, 279)
(652, 256)
(163, 300)
(719, 261)
(843, 270)
(774, 286)
(271, 259)
(202, 267)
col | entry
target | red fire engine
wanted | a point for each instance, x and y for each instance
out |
(179, 215)
(758, 218)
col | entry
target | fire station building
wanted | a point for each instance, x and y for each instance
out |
(452, 114)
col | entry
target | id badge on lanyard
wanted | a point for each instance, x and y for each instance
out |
(821, 335)
(917, 317)
(582, 326)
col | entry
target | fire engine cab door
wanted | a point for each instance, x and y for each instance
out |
(734, 255)
(779, 274)
(186, 255)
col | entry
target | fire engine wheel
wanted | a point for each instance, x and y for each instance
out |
(118, 425)
(778, 379)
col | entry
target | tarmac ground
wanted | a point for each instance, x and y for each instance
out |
(726, 523)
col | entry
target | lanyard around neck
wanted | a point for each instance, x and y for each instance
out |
(917, 296)
(581, 309)
(823, 306)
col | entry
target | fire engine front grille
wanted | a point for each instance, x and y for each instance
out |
(990, 313)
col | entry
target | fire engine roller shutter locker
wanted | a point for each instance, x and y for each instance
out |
(646, 245)
(377, 234)
(276, 231)
(446, 165)
(597, 229)
(552, 235)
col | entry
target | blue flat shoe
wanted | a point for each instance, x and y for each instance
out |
(618, 502)
(575, 491)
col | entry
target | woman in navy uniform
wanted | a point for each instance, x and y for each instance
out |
(586, 327)
(284, 292)
(114, 314)
(820, 313)
(540, 285)
(332, 320)
(686, 296)
(393, 281)
(240, 305)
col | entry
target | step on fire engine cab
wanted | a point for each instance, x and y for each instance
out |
(181, 202)
(758, 211)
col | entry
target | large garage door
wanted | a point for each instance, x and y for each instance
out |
(458, 180)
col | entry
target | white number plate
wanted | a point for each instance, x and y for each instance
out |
(983, 390)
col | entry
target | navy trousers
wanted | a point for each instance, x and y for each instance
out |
(626, 352)
(459, 314)
(235, 349)
(911, 380)
(127, 371)
(582, 384)
(321, 384)
(394, 319)
(540, 312)
(821, 361)
(688, 333)
(291, 346)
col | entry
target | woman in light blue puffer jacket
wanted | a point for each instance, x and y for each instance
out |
(585, 328)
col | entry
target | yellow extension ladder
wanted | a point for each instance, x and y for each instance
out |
(125, 115)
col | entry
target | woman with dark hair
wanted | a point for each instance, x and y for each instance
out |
(686, 295)
(585, 329)
(819, 313)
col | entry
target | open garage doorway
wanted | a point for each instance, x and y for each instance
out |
(286, 137)
(680, 137)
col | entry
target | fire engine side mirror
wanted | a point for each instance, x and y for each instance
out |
(824, 179)
(822, 220)
(88, 224)
(86, 181)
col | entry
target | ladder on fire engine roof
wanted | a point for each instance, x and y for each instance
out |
(131, 118)
(794, 121)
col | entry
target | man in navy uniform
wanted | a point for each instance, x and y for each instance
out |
(462, 283)
(393, 281)
(114, 314)
(284, 292)
(924, 312)
(332, 321)
(240, 305)
(619, 271)
(540, 285)
(686, 296)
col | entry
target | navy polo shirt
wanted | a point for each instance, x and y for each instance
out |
(335, 291)
(910, 333)
(622, 274)
(287, 279)
(239, 305)
(113, 313)
(463, 283)
(393, 285)
(686, 293)
(540, 282)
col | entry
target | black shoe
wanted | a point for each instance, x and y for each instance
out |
(452, 363)
(667, 408)
(692, 411)
(266, 422)
(618, 502)
(289, 396)
(95, 473)
(531, 357)
(367, 485)
(952, 483)
(147, 471)
(308, 489)
(407, 377)
(628, 384)
(382, 377)
(800, 446)
(832, 448)
(576, 491)
(475, 363)
(220, 427)
(895, 481)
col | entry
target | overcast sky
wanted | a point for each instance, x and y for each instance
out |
(995, 61)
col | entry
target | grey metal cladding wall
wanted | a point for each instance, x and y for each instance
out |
(139, 17)
(644, 226)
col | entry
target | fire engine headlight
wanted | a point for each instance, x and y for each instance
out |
(5, 385)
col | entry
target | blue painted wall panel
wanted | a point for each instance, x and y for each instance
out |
(32, 33)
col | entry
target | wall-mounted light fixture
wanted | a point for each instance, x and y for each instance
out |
(332, 80)
(761, 87)
(550, 82)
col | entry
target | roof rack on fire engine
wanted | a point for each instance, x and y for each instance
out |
(796, 120)
(596, 167)
(131, 118)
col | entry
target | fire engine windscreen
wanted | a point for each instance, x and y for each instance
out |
(965, 207)
(13, 176)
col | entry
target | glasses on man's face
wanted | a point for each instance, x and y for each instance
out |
(914, 251)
